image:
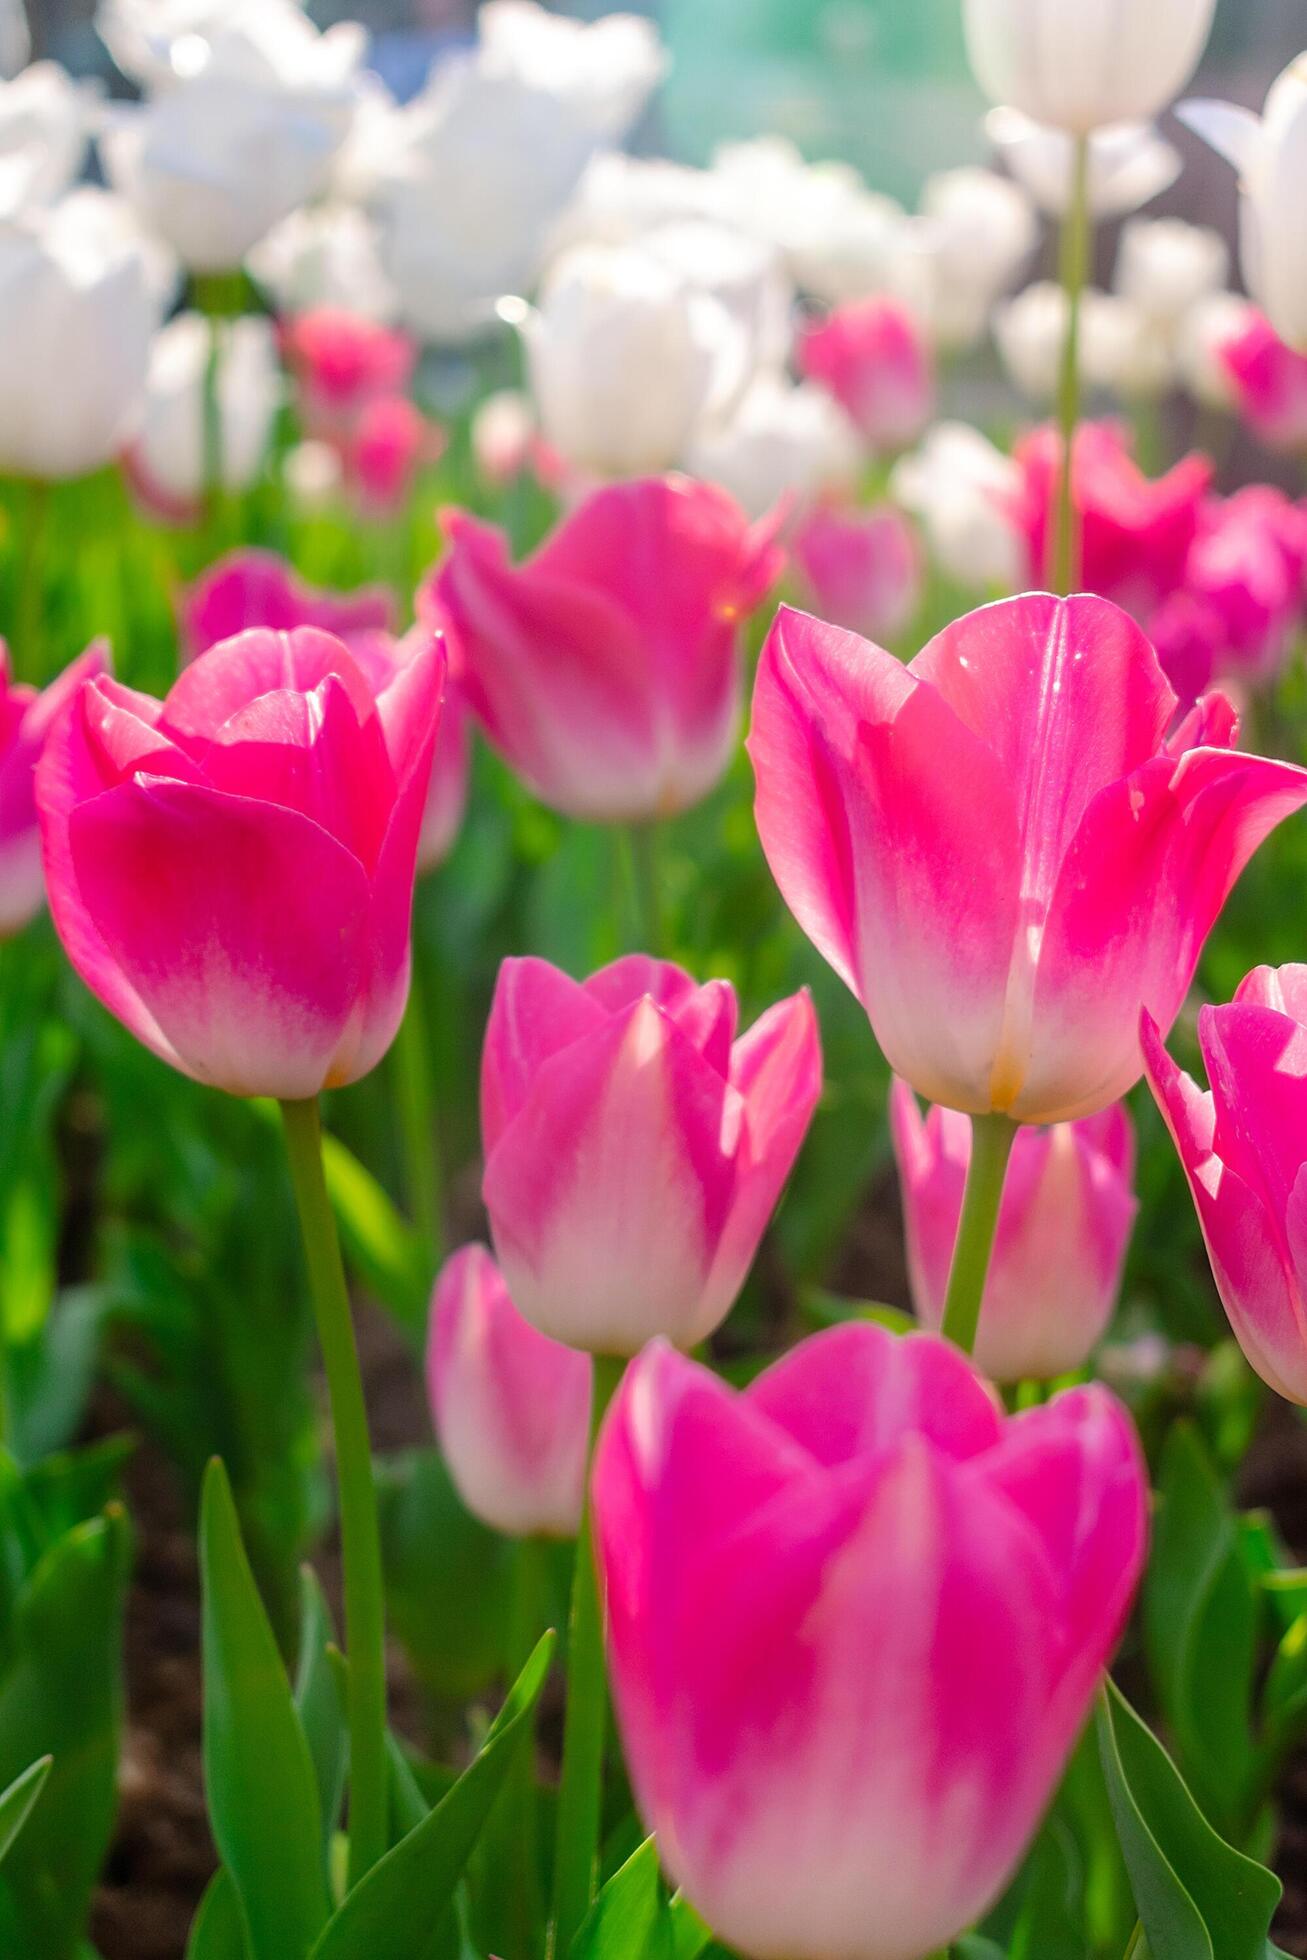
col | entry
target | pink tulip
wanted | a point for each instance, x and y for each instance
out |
(380, 656)
(997, 848)
(391, 440)
(606, 668)
(862, 569)
(511, 1407)
(1189, 641)
(635, 1149)
(231, 869)
(343, 362)
(1136, 532)
(257, 588)
(1063, 1228)
(1270, 384)
(856, 1619)
(1243, 1144)
(1248, 565)
(26, 718)
(871, 355)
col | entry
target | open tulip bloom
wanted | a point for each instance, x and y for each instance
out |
(26, 718)
(1005, 848)
(855, 1622)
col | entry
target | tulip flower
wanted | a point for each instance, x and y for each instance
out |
(257, 588)
(44, 120)
(1249, 565)
(862, 568)
(1268, 383)
(381, 656)
(342, 363)
(1268, 153)
(325, 256)
(231, 869)
(997, 849)
(1168, 267)
(979, 231)
(635, 1149)
(510, 1406)
(166, 459)
(1215, 324)
(783, 445)
(391, 439)
(968, 497)
(606, 668)
(1128, 165)
(856, 1619)
(26, 718)
(1243, 1145)
(1079, 68)
(1063, 1228)
(872, 357)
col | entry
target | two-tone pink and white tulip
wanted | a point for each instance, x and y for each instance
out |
(606, 669)
(1002, 848)
(864, 569)
(231, 868)
(26, 719)
(1063, 1230)
(1243, 1144)
(635, 1149)
(856, 1619)
(511, 1407)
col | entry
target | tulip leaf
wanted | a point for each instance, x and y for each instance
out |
(17, 1801)
(691, 1935)
(385, 1250)
(218, 1929)
(1198, 1898)
(258, 1770)
(630, 1918)
(396, 1911)
(319, 1700)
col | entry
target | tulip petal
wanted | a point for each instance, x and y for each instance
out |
(706, 1014)
(1283, 988)
(234, 673)
(1231, 130)
(251, 588)
(536, 1011)
(410, 704)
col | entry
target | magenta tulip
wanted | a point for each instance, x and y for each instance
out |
(1063, 1229)
(862, 568)
(26, 718)
(855, 1622)
(380, 656)
(231, 869)
(1243, 1144)
(389, 443)
(634, 1148)
(606, 668)
(998, 848)
(257, 588)
(872, 356)
(342, 362)
(510, 1406)
(1269, 380)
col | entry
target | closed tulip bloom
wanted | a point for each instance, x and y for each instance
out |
(342, 362)
(511, 1407)
(635, 1148)
(979, 233)
(968, 497)
(166, 459)
(872, 357)
(1249, 565)
(1243, 1144)
(856, 1620)
(26, 718)
(606, 667)
(1168, 267)
(785, 444)
(391, 440)
(250, 587)
(1063, 1229)
(998, 848)
(1081, 64)
(1268, 383)
(231, 869)
(863, 568)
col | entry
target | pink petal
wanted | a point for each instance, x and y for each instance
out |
(707, 1014)
(257, 588)
(1283, 988)
(232, 674)
(536, 1011)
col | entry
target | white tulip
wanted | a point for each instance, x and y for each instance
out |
(839, 239)
(168, 454)
(325, 255)
(626, 358)
(1166, 266)
(605, 70)
(620, 198)
(1079, 65)
(78, 314)
(1270, 154)
(1124, 349)
(1212, 325)
(1030, 332)
(166, 43)
(108, 223)
(1129, 164)
(977, 231)
(784, 441)
(746, 275)
(966, 494)
(44, 127)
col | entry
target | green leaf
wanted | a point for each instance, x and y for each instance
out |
(449, 1578)
(218, 1930)
(17, 1801)
(258, 1773)
(395, 1912)
(630, 1919)
(1198, 1898)
(319, 1701)
(691, 1935)
(386, 1252)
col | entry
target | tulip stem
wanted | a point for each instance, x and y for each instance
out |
(411, 1072)
(645, 869)
(580, 1785)
(992, 1138)
(365, 1630)
(1075, 249)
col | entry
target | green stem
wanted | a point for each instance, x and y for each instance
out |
(992, 1138)
(365, 1630)
(519, 1827)
(1076, 241)
(411, 1070)
(580, 1786)
(650, 923)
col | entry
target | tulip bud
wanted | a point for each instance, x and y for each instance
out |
(1243, 1145)
(391, 440)
(856, 1619)
(634, 1148)
(511, 1407)
(1023, 944)
(231, 869)
(871, 356)
(26, 719)
(1080, 67)
(863, 568)
(1063, 1228)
